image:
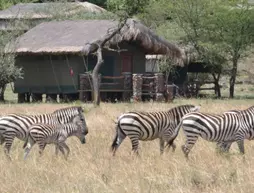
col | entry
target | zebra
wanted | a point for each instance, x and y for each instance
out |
(225, 146)
(149, 126)
(232, 126)
(44, 134)
(16, 125)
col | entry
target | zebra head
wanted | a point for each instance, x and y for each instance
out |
(178, 112)
(195, 108)
(184, 109)
(65, 115)
(82, 129)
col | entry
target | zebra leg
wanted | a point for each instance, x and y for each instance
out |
(223, 146)
(120, 136)
(170, 140)
(240, 144)
(64, 145)
(135, 143)
(2, 140)
(57, 147)
(162, 142)
(9, 138)
(41, 148)
(171, 143)
(28, 147)
(62, 150)
(190, 142)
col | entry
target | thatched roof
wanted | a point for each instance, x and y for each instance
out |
(46, 10)
(81, 37)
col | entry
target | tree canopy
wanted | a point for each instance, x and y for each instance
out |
(220, 35)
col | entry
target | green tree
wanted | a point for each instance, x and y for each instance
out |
(235, 28)
(4, 4)
(101, 3)
(220, 34)
(8, 71)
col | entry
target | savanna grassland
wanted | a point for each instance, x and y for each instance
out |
(91, 167)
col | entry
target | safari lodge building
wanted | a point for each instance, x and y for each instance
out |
(58, 57)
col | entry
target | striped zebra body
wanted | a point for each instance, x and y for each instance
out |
(15, 125)
(226, 128)
(149, 126)
(44, 134)
(225, 146)
(247, 116)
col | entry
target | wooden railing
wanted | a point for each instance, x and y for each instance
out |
(136, 85)
(121, 83)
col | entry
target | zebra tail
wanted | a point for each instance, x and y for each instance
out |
(114, 144)
(25, 144)
(171, 141)
(27, 140)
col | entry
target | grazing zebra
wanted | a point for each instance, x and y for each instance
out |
(44, 134)
(149, 126)
(15, 125)
(226, 128)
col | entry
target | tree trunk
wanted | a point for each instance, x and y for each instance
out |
(233, 78)
(2, 90)
(217, 85)
(95, 74)
(95, 78)
(217, 89)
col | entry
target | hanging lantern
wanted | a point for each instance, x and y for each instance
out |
(71, 72)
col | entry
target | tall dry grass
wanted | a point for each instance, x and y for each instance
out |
(91, 168)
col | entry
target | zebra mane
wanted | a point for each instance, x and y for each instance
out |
(73, 108)
(251, 108)
(66, 114)
(233, 111)
(184, 106)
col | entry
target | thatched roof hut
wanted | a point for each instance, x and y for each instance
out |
(55, 55)
(81, 37)
(46, 10)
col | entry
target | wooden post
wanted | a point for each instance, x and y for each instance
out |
(137, 87)
(36, 97)
(51, 98)
(27, 97)
(159, 86)
(127, 83)
(21, 97)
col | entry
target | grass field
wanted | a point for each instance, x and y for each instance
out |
(91, 167)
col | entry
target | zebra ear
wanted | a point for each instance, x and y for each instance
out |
(81, 109)
(196, 108)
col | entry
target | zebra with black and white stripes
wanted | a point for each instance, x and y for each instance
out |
(232, 126)
(16, 125)
(44, 134)
(149, 126)
(225, 146)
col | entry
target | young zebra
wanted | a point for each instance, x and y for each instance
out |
(225, 128)
(149, 126)
(15, 125)
(44, 134)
